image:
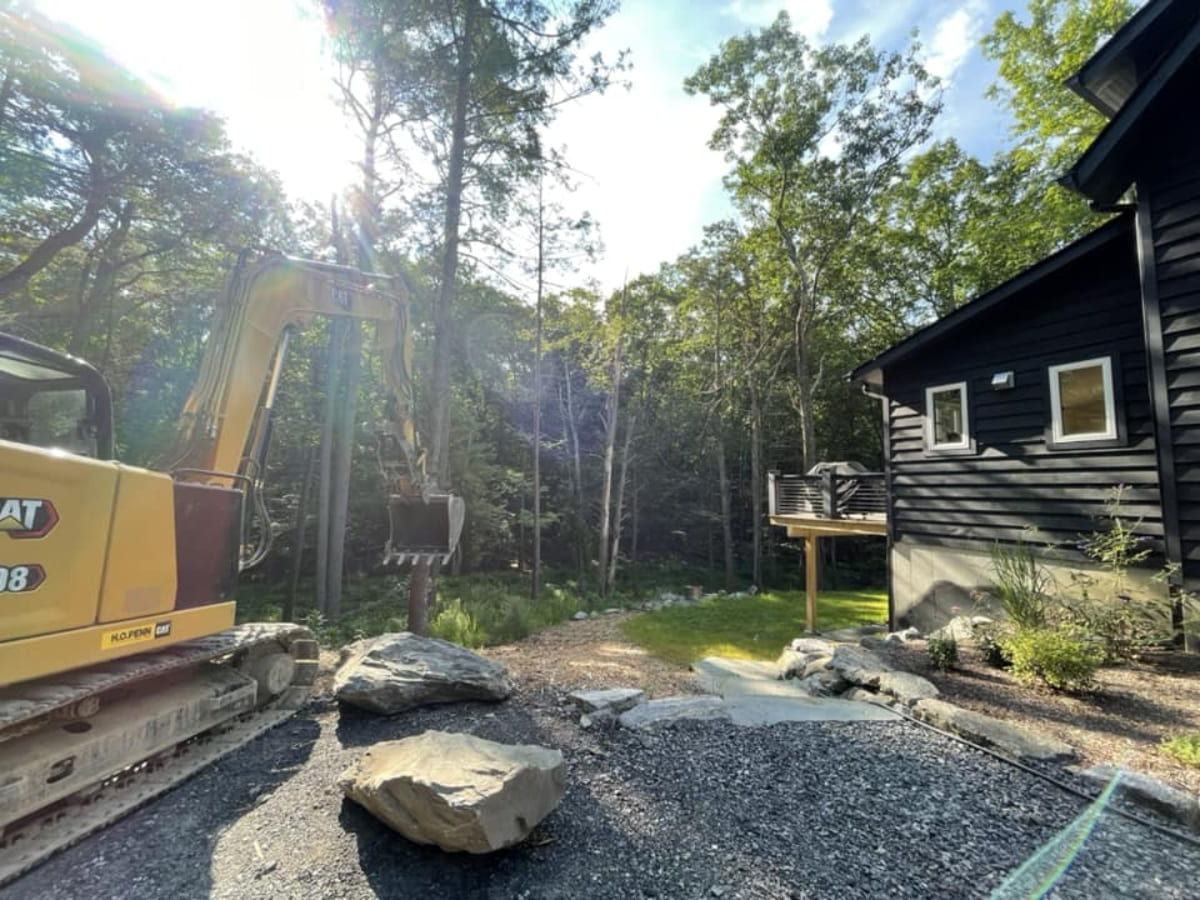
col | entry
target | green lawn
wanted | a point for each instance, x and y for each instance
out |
(755, 627)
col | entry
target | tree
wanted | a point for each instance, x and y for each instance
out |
(813, 135)
(1051, 125)
(476, 82)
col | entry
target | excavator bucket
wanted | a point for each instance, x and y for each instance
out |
(423, 530)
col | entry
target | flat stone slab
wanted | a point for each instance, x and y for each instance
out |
(1151, 793)
(753, 711)
(672, 709)
(615, 699)
(1009, 739)
(735, 677)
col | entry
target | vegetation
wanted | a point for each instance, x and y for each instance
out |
(943, 652)
(1184, 747)
(1060, 657)
(747, 627)
(1020, 584)
(653, 412)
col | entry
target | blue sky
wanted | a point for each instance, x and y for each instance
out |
(646, 173)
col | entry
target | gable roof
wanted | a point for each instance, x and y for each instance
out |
(1123, 63)
(1172, 37)
(1119, 228)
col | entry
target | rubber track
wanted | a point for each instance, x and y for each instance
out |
(75, 818)
(40, 699)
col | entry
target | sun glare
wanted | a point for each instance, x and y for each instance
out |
(260, 65)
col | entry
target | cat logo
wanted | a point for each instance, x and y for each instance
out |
(25, 518)
(162, 629)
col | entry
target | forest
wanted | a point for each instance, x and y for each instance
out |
(593, 435)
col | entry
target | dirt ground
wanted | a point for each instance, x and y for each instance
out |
(1122, 723)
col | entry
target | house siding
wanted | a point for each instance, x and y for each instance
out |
(1171, 190)
(1013, 481)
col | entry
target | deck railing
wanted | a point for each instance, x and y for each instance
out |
(831, 495)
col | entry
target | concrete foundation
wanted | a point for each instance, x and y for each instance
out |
(930, 585)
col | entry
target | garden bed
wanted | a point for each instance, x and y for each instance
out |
(1123, 722)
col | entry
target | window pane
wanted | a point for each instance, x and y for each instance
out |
(1081, 399)
(947, 417)
(56, 419)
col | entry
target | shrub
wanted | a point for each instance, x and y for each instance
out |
(989, 639)
(943, 652)
(1184, 747)
(1021, 585)
(455, 624)
(1060, 657)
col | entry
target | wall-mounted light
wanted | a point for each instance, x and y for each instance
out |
(1002, 381)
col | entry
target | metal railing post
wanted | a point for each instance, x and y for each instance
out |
(831, 504)
(772, 503)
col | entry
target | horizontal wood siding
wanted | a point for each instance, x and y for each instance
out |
(1172, 187)
(1013, 481)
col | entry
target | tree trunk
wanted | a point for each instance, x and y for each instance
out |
(343, 456)
(337, 345)
(633, 535)
(611, 409)
(804, 397)
(571, 440)
(418, 586)
(756, 485)
(300, 529)
(535, 588)
(619, 509)
(726, 509)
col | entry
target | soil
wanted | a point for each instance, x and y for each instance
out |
(592, 654)
(1122, 722)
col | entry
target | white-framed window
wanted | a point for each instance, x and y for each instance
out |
(1082, 404)
(947, 426)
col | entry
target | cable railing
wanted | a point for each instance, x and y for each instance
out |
(832, 494)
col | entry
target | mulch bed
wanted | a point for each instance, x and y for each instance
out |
(1123, 722)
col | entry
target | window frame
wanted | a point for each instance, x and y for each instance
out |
(1114, 433)
(967, 443)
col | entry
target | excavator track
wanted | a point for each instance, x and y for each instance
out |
(79, 751)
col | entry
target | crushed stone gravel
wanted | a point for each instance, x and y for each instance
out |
(692, 810)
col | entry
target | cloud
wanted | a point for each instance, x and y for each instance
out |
(953, 39)
(809, 17)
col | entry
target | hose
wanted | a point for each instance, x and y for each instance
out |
(1058, 783)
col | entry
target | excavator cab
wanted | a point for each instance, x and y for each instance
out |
(52, 400)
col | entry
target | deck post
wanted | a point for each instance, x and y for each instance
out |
(810, 579)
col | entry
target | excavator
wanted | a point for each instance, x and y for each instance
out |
(121, 669)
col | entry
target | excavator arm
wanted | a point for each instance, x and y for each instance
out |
(225, 426)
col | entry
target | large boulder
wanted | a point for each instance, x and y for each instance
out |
(615, 700)
(906, 687)
(392, 673)
(457, 791)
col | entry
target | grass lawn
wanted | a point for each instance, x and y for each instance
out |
(755, 627)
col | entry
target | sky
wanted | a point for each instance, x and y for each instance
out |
(644, 171)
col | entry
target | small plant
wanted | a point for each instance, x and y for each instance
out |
(943, 652)
(1021, 584)
(1184, 747)
(455, 624)
(1060, 657)
(989, 639)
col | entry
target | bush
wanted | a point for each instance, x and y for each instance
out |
(1021, 585)
(1059, 657)
(943, 652)
(455, 624)
(1184, 747)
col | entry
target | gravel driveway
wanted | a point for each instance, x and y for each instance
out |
(695, 810)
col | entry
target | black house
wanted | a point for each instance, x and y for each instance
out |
(1026, 406)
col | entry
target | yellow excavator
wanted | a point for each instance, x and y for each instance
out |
(121, 670)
